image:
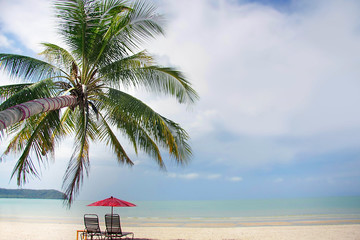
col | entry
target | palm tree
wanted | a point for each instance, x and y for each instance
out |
(79, 91)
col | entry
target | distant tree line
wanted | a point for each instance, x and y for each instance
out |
(30, 193)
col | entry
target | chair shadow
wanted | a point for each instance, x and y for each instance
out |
(153, 239)
(144, 239)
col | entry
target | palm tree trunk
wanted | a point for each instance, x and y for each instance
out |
(25, 110)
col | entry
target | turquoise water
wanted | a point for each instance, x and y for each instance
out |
(295, 211)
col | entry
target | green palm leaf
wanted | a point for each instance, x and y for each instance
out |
(79, 162)
(143, 23)
(24, 67)
(58, 55)
(35, 137)
(165, 80)
(26, 92)
(9, 90)
(134, 116)
(108, 136)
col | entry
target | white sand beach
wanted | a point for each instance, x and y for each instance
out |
(65, 231)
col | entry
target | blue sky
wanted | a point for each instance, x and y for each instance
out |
(278, 114)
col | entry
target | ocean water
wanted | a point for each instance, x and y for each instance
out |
(301, 211)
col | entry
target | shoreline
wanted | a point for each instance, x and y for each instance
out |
(190, 223)
(66, 231)
(193, 222)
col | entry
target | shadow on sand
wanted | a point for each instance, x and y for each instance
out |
(144, 239)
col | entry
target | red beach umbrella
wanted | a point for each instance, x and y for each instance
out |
(112, 202)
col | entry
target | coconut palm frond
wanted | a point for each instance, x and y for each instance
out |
(168, 134)
(86, 130)
(163, 80)
(133, 130)
(79, 26)
(128, 28)
(121, 73)
(169, 81)
(111, 11)
(140, 138)
(27, 92)
(74, 175)
(108, 136)
(181, 137)
(138, 25)
(110, 8)
(58, 55)
(7, 91)
(144, 23)
(34, 138)
(68, 121)
(26, 68)
(79, 162)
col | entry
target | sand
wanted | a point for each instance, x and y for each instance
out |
(64, 231)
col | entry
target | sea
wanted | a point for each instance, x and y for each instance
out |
(224, 213)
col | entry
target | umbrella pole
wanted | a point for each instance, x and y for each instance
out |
(112, 213)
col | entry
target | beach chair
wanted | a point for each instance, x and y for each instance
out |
(92, 227)
(113, 228)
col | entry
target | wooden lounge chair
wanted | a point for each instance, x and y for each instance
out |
(92, 227)
(113, 228)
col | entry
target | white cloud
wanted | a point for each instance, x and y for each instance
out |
(193, 175)
(278, 180)
(4, 41)
(188, 176)
(213, 176)
(235, 179)
(31, 21)
(172, 175)
(265, 75)
(7, 43)
(258, 67)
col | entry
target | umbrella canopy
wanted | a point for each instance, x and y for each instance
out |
(112, 202)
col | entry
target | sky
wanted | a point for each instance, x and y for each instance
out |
(278, 115)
